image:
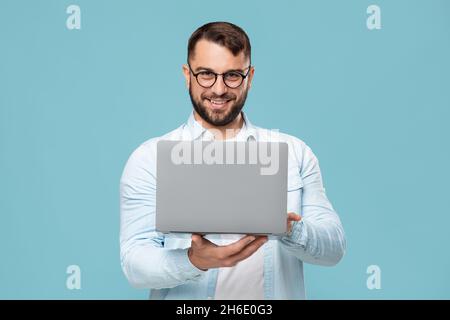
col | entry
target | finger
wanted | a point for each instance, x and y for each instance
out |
(196, 239)
(200, 241)
(248, 250)
(237, 246)
(293, 216)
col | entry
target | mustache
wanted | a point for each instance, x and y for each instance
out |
(225, 96)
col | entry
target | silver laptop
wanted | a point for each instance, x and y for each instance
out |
(221, 187)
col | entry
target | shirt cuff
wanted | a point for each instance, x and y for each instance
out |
(181, 260)
(298, 235)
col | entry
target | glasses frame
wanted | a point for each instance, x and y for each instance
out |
(243, 76)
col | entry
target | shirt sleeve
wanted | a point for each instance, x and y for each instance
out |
(318, 238)
(145, 261)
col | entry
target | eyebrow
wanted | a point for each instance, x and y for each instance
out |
(211, 70)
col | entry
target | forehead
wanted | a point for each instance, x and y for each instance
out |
(211, 55)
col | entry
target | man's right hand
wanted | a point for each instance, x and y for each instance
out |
(205, 255)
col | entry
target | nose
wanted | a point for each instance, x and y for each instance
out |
(219, 88)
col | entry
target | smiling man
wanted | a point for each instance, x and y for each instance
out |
(219, 75)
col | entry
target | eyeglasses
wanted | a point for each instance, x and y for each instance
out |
(207, 78)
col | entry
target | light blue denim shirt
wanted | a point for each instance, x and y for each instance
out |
(160, 262)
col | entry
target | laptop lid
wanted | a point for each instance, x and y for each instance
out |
(221, 187)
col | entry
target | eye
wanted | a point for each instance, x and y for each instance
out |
(233, 76)
(206, 75)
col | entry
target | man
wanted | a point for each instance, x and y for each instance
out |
(219, 75)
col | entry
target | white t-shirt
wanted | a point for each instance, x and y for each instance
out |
(243, 281)
(246, 279)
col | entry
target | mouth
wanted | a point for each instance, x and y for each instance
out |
(218, 104)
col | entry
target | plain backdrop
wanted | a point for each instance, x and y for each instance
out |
(372, 104)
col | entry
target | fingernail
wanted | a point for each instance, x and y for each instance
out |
(251, 239)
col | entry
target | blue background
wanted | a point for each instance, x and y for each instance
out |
(373, 106)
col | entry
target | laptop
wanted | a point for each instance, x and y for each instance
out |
(211, 187)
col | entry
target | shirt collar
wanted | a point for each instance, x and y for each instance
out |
(195, 130)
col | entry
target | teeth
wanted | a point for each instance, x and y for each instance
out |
(218, 101)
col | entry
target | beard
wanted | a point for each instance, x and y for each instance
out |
(218, 118)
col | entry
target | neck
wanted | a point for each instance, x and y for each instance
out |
(228, 131)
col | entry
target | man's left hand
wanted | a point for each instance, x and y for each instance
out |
(292, 216)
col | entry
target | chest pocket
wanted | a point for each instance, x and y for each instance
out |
(295, 191)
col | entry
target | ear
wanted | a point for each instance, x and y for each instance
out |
(250, 77)
(187, 74)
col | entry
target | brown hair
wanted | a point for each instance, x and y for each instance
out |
(225, 34)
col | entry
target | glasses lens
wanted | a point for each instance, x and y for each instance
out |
(233, 79)
(206, 78)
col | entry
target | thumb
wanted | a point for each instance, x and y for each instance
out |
(197, 239)
(293, 216)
